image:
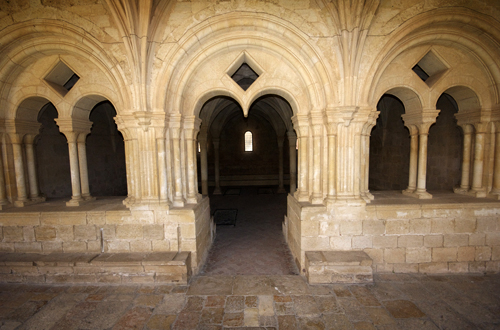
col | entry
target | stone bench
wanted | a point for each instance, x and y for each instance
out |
(157, 267)
(338, 267)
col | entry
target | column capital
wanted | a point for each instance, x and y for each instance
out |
(73, 125)
(481, 127)
(22, 127)
(467, 128)
(423, 117)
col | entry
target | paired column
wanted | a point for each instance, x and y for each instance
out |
(292, 145)
(477, 175)
(31, 165)
(423, 135)
(22, 196)
(466, 155)
(281, 188)
(412, 180)
(191, 127)
(82, 164)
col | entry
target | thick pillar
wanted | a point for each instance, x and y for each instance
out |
(477, 171)
(217, 190)
(281, 188)
(412, 179)
(496, 172)
(466, 157)
(82, 163)
(292, 145)
(76, 197)
(22, 196)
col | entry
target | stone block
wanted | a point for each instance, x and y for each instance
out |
(385, 241)
(108, 231)
(433, 268)
(29, 234)
(373, 227)
(487, 224)
(444, 254)
(362, 242)
(395, 256)
(7, 247)
(340, 243)
(377, 255)
(315, 243)
(399, 227)
(418, 255)
(433, 241)
(406, 268)
(465, 225)
(310, 228)
(385, 268)
(153, 232)
(391, 212)
(458, 267)
(329, 228)
(85, 233)
(456, 240)
(118, 217)
(13, 234)
(140, 246)
(442, 226)
(492, 266)
(483, 253)
(466, 253)
(65, 233)
(94, 246)
(188, 244)
(187, 230)
(410, 241)
(63, 218)
(354, 227)
(28, 246)
(117, 246)
(74, 247)
(477, 239)
(495, 253)
(161, 245)
(52, 247)
(477, 267)
(45, 233)
(96, 218)
(20, 219)
(420, 226)
(170, 230)
(493, 239)
(129, 231)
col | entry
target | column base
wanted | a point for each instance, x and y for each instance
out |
(26, 202)
(461, 190)
(178, 202)
(471, 192)
(317, 199)
(88, 198)
(281, 190)
(4, 202)
(77, 202)
(417, 194)
(301, 197)
(194, 199)
(217, 191)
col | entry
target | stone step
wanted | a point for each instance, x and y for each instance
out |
(338, 267)
(156, 267)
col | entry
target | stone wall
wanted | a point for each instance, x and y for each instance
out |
(428, 238)
(153, 230)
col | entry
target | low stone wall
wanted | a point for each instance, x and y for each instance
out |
(153, 229)
(427, 238)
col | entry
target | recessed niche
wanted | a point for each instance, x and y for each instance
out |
(430, 68)
(62, 78)
(244, 71)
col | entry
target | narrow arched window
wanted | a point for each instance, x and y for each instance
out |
(248, 141)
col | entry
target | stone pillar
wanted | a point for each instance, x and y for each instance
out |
(162, 165)
(31, 165)
(477, 172)
(176, 149)
(76, 197)
(281, 188)
(3, 193)
(496, 172)
(365, 156)
(332, 155)
(191, 127)
(466, 155)
(423, 133)
(412, 180)
(203, 163)
(301, 125)
(317, 130)
(82, 163)
(22, 197)
(292, 145)
(217, 190)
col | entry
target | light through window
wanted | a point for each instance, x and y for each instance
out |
(248, 141)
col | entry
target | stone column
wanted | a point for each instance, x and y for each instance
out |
(281, 188)
(412, 180)
(203, 163)
(496, 172)
(365, 162)
(477, 174)
(191, 127)
(3, 193)
(422, 161)
(332, 155)
(466, 154)
(22, 196)
(301, 125)
(76, 197)
(317, 193)
(217, 190)
(176, 149)
(82, 163)
(162, 166)
(292, 145)
(31, 165)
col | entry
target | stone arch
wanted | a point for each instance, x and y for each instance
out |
(215, 39)
(411, 100)
(466, 97)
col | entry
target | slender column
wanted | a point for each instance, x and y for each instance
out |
(204, 165)
(3, 193)
(17, 151)
(192, 194)
(292, 145)
(217, 190)
(82, 163)
(281, 188)
(332, 155)
(30, 163)
(477, 174)
(317, 195)
(412, 180)
(301, 126)
(366, 163)
(496, 172)
(466, 154)
(176, 146)
(76, 197)
(162, 167)
(422, 161)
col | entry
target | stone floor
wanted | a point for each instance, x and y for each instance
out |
(394, 301)
(255, 245)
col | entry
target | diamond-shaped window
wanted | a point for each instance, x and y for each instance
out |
(430, 68)
(62, 78)
(244, 76)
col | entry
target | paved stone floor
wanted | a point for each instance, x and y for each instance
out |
(394, 301)
(255, 246)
